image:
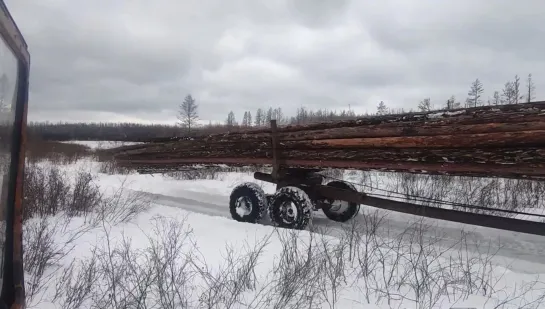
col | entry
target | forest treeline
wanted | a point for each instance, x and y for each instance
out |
(513, 92)
(136, 132)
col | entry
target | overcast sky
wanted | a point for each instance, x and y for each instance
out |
(98, 60)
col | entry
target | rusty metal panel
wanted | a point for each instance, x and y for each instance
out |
(13, 36)
(19, 283)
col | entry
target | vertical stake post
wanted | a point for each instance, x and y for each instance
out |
(276, 159)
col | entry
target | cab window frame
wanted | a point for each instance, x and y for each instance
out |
(12, 293)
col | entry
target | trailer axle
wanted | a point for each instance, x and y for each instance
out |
(309, 183)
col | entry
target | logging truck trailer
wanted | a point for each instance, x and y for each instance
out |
(301, 191)
(501, 141)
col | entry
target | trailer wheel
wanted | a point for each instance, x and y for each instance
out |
(341, 211)
(290, 208)
(247, 202)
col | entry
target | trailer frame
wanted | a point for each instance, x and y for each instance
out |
(322, 196)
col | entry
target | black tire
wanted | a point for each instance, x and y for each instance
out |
(254, 199)
(281, 216)
(341, 213)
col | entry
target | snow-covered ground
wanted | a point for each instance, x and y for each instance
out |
(102, 144)
(518, 251)
(403, 266)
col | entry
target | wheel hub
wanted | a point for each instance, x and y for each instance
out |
(244, 206)
(288, 212)
(338, 206)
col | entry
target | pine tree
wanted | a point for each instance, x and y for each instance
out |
(269, 115)
(452, 104)
(278, 115)
(530, 89)
(245, 119)
(516, 90)
(496, 99)
(230, 119)
(475, 94)
(259, 117)
(381, 108)
(303, 116)
(187, 114)
(249, 119)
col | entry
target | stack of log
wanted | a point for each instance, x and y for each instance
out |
(492, 141)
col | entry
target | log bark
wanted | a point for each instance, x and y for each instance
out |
(522, 171)
(392, 130)
(504, 156)
(503, 141)
(452, 141)
(514, 113)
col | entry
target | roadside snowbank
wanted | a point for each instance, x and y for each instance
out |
(102, 144)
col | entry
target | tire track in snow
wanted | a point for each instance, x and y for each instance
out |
(516, 251)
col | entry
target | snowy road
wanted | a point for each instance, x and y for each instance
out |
(516, 251)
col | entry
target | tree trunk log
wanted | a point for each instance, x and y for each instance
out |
(503, 141)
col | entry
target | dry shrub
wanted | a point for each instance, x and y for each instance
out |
(48, 191)
(56, 152)
(120, 275)
(111, 167)
(213, 172)
(43, 255)
(122, 205)
(52, 201)
(405, 270)
(452, 191)
(40, 254)
(417, 269)
(409, 270)
(108, 164)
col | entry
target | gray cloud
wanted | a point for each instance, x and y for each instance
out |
(135, 61)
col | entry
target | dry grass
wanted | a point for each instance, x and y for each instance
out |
(57, 152)
(310, 270)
